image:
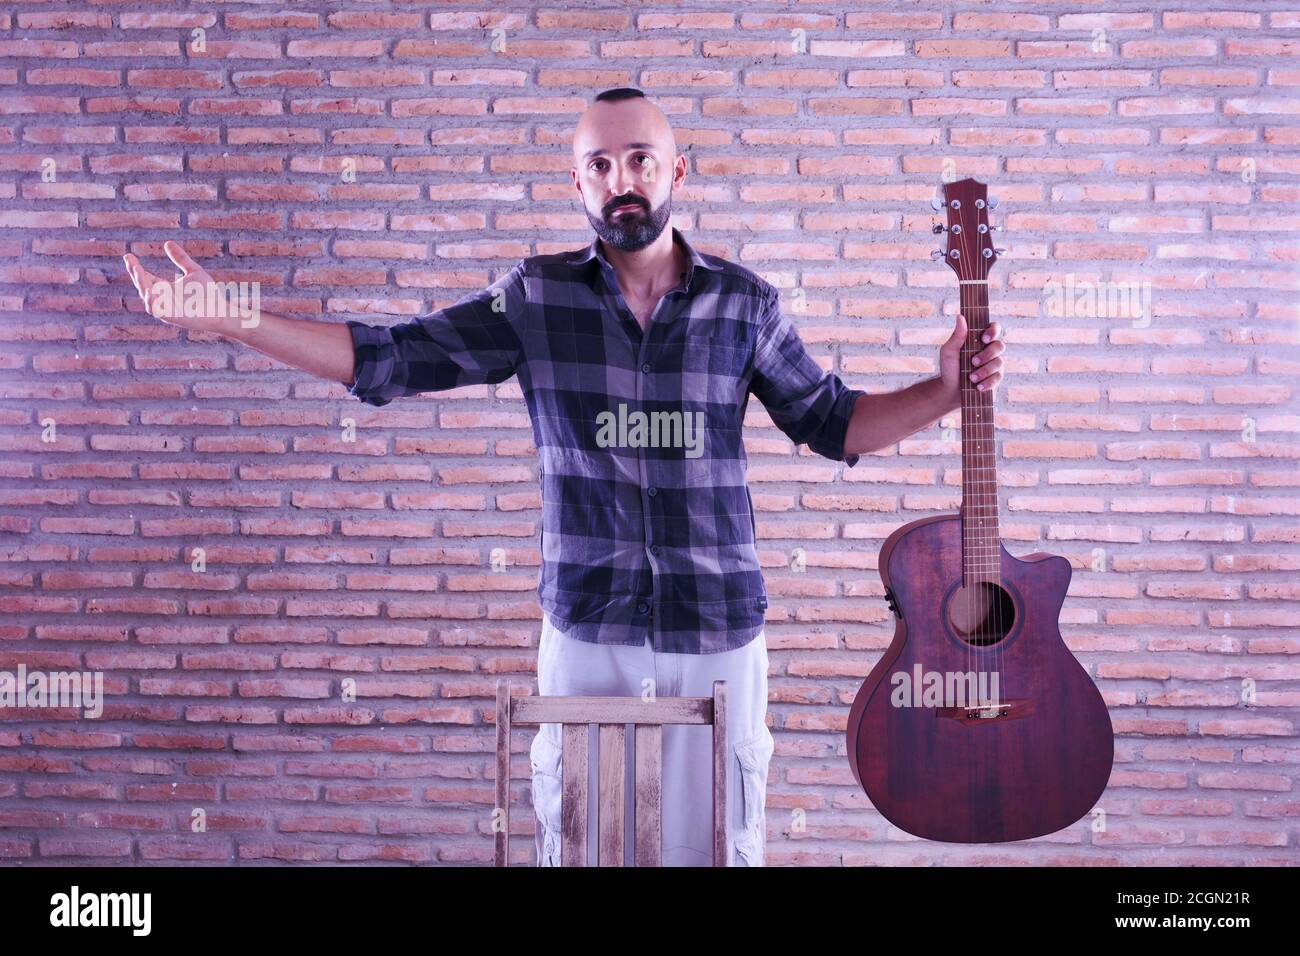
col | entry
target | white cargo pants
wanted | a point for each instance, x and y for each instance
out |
(569, 667)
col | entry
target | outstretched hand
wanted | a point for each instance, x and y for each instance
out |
(986, 373)
(165, 299)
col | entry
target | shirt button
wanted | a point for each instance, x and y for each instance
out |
(645, 367)
(652, 491)
(654, 549)
(642, 607)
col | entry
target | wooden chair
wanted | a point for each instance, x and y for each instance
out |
(611, 713)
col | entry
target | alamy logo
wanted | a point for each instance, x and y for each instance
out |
(56, 689)
(216, 299)
(922, 688)
(102, 909)
(651, 430)
(1102, 299)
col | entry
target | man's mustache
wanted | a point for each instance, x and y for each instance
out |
(624, 202)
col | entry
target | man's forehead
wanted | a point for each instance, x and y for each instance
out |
(605, 129)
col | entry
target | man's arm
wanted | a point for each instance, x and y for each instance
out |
(321, 348)
(806, 402)
(880, 420)
(478, 339)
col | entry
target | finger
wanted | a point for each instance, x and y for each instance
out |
(994, 331)
(138, 273)
(179, 256)
(988, 354)
(958, 333)
(145, 281)
(130, 270)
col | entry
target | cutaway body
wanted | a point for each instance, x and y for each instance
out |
(1031, 764)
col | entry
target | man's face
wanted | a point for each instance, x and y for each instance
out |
(625, 158)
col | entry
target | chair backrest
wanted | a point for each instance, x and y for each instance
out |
(611, 714)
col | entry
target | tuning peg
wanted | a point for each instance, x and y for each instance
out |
(993, 202)
(936, 203)
(936, 229)
(936, 254)
(999, 251)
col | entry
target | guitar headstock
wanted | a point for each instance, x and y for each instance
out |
(969, 248)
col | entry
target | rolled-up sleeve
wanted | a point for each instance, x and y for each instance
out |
(475, 341)
(806, 402)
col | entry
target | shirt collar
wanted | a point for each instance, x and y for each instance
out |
(593, 251)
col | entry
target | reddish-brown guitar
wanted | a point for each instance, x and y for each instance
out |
(978, 725)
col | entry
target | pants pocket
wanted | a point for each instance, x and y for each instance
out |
(753, 756)
(545, 756)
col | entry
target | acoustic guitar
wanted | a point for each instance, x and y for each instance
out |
(978, 725)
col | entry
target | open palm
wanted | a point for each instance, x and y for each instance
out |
(165, 304)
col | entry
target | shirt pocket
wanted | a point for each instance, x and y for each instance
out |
(720, 356)
(715, 375)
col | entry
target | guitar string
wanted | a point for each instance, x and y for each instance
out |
(965, 420)
(963, 367)
(993, 590)
(968, 583)
(988, 636)
(988, 628)
(998, 634)
(989, 591)
(971, 537)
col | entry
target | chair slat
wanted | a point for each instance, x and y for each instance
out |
(648, 741)
(609, 821)
(719, 773)
(612, 710)
(573, 799)
(501, 839)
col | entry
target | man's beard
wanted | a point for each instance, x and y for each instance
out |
(631, 230)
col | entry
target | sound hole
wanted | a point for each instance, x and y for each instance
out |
(981, 613)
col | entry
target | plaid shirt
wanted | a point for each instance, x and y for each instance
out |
(644, 532)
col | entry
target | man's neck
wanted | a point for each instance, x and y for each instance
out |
(655, 269)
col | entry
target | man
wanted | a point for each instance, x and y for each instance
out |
(636, 356)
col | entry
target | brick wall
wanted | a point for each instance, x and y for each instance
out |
(374, 160)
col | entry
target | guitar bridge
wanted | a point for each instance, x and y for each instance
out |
(1002, 710)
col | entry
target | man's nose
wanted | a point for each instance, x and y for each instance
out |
(620, 184)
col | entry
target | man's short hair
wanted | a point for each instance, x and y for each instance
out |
(619, 93)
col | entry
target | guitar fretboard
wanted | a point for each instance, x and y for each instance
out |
(980, 551)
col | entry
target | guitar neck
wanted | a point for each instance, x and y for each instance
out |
(980, 540)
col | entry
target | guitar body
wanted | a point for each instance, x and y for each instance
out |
(1031, 766)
